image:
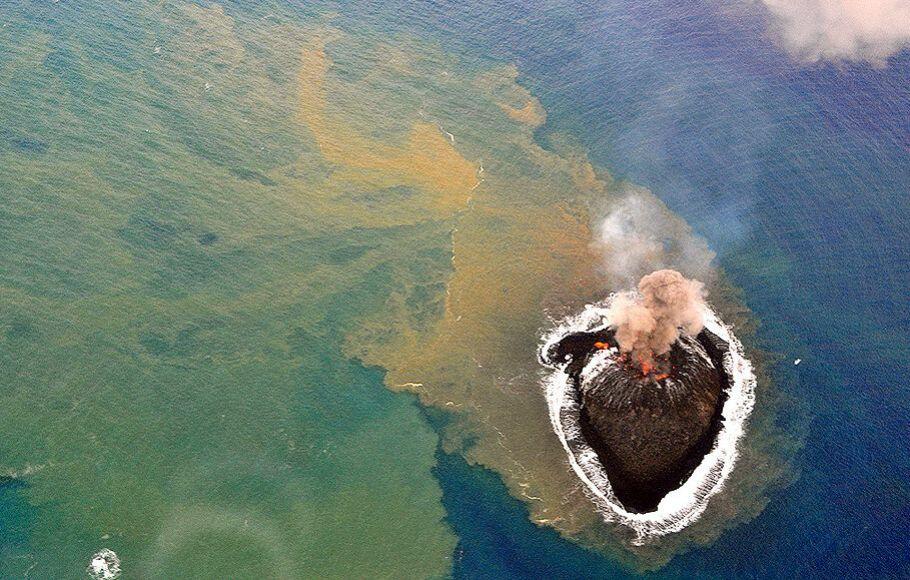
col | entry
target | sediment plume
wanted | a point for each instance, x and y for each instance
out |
(648, 322)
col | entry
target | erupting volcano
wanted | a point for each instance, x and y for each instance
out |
(650, 387)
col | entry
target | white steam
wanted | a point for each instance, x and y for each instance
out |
(833, 30)
(639, 234)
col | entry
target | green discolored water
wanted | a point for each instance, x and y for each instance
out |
(172, 317)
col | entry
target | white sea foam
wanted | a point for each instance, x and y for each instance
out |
(684, 505)
(105, 565)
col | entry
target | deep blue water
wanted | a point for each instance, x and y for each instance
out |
(799, 178)
(496, 538)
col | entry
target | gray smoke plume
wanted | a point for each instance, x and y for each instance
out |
(666, 305)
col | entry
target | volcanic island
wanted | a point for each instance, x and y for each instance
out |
(650, 388)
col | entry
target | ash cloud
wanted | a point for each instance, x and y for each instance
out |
(645, 245)
(648, 322)
(835, 30)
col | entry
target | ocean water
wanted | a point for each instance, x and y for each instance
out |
(238, 238)
(798, 178)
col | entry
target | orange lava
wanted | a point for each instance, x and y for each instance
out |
(645, 366)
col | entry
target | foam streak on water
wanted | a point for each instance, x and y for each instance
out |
(684, 505)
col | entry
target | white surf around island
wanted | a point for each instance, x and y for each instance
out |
(684, 505)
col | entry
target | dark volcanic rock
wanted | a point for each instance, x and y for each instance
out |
(650, 433)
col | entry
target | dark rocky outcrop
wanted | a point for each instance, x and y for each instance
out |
(650, 432)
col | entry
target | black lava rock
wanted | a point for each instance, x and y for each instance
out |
(649, 431)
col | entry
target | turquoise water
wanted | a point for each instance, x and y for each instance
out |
(225, 226)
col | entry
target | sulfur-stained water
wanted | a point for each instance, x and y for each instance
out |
(273, 277)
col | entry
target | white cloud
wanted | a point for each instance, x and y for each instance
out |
(854, 30)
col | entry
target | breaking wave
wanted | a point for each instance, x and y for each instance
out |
(683, 505)
(105, 565)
